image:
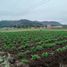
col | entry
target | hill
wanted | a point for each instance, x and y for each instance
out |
(52, 23)
(27, 23)
(65, 26)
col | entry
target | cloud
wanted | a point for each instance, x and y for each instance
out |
(34, 9)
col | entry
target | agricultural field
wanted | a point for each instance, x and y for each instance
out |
(28, 46)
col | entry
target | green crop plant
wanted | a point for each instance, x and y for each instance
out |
(33, 49)
(45, 54)
(61, 49)
(35, 57)
(39, 48)
(25, 61)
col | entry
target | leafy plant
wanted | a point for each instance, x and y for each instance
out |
(33, 49)
(39, 48)
(25, 61)
(60, 49)
(46, 54)
(35, 57)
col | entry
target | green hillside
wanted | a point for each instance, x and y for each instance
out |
(27, 23)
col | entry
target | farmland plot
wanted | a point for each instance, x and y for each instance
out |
(25, 47)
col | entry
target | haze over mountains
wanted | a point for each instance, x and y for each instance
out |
(27, 23)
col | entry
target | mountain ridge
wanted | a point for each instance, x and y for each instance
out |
(27, 23)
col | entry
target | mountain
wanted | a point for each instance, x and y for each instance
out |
(65, 26)
(52, 23)
(27, 23)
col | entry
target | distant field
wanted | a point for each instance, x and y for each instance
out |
(29, 29)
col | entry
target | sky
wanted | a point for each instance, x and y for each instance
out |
(41, 10)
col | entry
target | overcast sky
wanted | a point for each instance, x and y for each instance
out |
(34, 10)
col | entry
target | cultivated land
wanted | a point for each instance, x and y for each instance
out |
(33, 46)
(28, 29)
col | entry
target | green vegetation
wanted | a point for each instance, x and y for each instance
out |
(62, 49)
(28, 43)
(25, 61)
(46, 54)
(35, 57)
(24, 23)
